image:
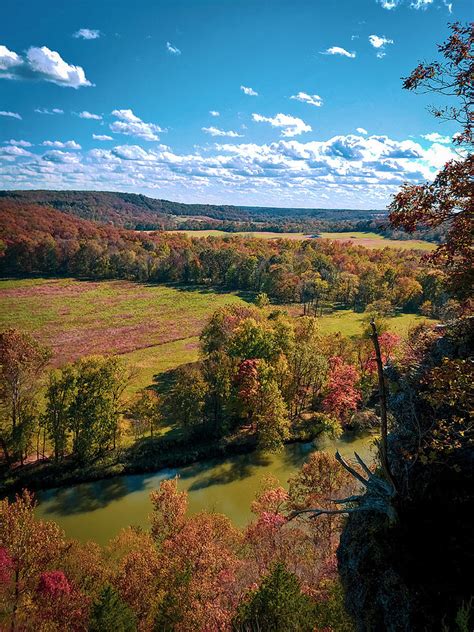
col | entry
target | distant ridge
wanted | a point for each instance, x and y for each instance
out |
(136, 211)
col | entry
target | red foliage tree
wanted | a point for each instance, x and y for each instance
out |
(343, 395)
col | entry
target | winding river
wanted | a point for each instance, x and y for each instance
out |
(98, 510)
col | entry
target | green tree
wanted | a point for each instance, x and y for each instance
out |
(184, 404)
(110, 614)
(94, 411)
(278, 605)
(59, 396)
(145, 411)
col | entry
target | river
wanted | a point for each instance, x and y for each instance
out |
(98, 510)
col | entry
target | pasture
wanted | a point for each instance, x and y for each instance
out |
(154, 328)
(366, 239)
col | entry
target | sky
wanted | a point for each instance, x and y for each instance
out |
(250, 102)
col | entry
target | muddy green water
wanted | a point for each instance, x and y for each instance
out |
(97, 511)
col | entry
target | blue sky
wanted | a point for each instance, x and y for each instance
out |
(262, 102)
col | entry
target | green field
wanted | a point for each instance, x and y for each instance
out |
(369, 240)
(373, 240)
(153, 327)
(256, 234)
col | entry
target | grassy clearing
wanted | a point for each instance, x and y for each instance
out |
(373, 240)
(257, 234)
(350, 323)
(369, 240)
(152, 327)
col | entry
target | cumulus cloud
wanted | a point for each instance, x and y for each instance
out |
(60, 157)
(346, 171)
(215, 131)
(10, 114)
(87, 34)
(379, 43)
(214, 113)
(434, 137)
(290, 125)
(310, 99)
(172, 49)
(41, 64)
(13, 151)
(130, 125)
(249, 91)
(89, 115)
(18, 143)
(133, 152)
(361, 130)
(51, 112)
(68, 144)
(337, 50)
(8, 61)
(101, 137)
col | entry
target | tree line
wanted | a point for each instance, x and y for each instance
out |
(37, 240)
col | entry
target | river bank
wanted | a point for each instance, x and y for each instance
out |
(145, 456)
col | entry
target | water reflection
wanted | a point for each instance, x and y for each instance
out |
(100, 509)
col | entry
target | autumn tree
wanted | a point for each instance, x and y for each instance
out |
(449, 198)
(22, 361)
(343, 396)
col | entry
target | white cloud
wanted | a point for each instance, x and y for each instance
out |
(10, 114)
(68, 144)
(46, 111)
(434, 137)
(249, 91)
(215, 131)
(133, 152)
(101, 137)
(47, 64)
(60, 157)
(421, 4)
(13, 151)
(361, 130)
(18, 143)
(8, 60)
(389, 4)
(41, 64)
(172, 49)
(89, 115)
(87, 34)
(311, 99)
(337, 50)
(290, 125)
(214, 113)
(413, 4)
(345, 171)
(379, 43)
(131, 125)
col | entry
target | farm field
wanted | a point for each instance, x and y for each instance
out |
(77, 318)
(153, 327)
(256, 234)
(373, 240)
(369, 240)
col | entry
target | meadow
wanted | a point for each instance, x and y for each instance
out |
(154, 328)
(366, 239)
